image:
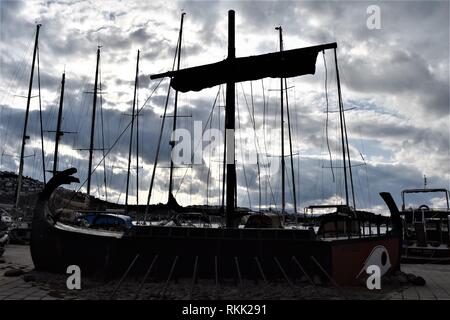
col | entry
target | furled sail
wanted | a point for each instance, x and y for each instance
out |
(285, 64)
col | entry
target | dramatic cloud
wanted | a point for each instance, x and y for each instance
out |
(395, 83)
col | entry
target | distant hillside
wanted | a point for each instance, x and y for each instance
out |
(69, 199)
(30, 191)
(8, 187)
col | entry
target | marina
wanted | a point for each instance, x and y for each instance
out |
(279, 200)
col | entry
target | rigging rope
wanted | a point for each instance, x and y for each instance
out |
(157, 155)
(369, 200)
(242, 152)
(209, 167)
(348, 158)
(218, 172)
(160, 135)
(257, 153)
(137, 150)
(224, 167)
(258, 147)
(327, 113)
(121, 134)
(40, 118)
(264, 137)
(199, 142)
(19, 73)
(103, 138)
(290, 147)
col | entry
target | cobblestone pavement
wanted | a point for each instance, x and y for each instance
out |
(16, 288)
(437, 286)
(33, 285)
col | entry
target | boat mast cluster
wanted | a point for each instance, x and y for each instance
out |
(232, 70)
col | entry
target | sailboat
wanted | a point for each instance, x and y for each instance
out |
(426, 227)
(21, 233)
(254, 251)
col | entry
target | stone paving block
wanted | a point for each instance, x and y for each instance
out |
(36, 296)
(8, 287)
(442, 297)
(425, 297)
(426, 293)
(18, 296)
(11, 291)
(410, 295)
(36, 291)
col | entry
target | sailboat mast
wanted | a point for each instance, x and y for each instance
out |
(24, 135)
(91, 146)
(283, 199)
(341, 112)
(224, 168)
(231, 70)
(152, 179)
(175, 108)
(58, 125)
(103, 140)
(349, 161)
(137, 143)
(131, 133)
(257, 153)
(290, 149)
(40, 119)
(230, 126)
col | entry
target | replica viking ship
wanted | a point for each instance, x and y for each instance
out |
(340, 254)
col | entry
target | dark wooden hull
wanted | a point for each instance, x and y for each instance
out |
(55, 246)
(349, 256)
(109, 255)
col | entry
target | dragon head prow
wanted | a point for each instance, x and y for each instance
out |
(60, 178)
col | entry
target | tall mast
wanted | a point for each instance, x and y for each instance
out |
(91, 146)
(283, 200)
(103, 139)
(224, 168)
(341, 112)
(152, 179)
(137, 141)
(131, 134)
(58, 125)
(24, 135)
(175, 107)
(40, 119)
(257, 153)
(348, 158)
(293, 63)
(229, 127)
(155, 163)
(290, 149)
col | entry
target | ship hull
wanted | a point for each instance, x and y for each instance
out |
(229, 252)
(206, 252)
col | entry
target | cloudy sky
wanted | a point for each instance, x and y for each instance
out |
(395, 83)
